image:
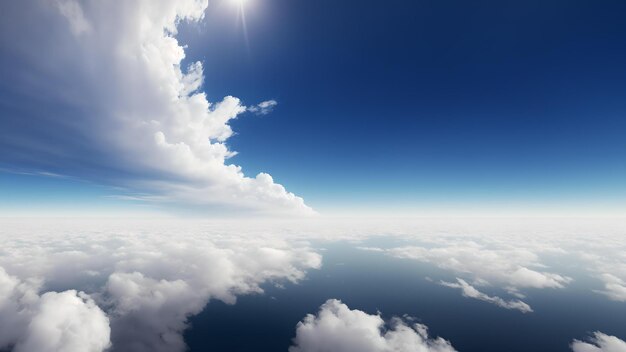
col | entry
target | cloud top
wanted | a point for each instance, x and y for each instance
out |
(471, 292)
(55, 321)
(338, 328)
(132, 287)
(600, 342)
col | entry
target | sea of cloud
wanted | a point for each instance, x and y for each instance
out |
(70, 287)
(95, 285)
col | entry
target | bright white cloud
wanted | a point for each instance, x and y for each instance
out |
(600, 342)
(69, 321)
(338, 328)
(66, 321)
(152, 275)
(155, 289)
(129, 114)
(148, 278)
(471, 292)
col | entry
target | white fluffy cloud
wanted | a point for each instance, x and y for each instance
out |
(471, 292)
(148, 279)
(66, 321)
(121, 108)
(69, 321)
(600, 342)
(337, 328)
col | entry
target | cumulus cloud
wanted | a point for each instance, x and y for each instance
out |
(338, 328)
(108, 98)
(148, 277)
(154, 291)
(141, 283)
(263, 108)
(599, 342)
(471, 292)
(66, 321)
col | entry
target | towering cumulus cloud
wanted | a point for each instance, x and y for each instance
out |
(337, 328)
(105, 97)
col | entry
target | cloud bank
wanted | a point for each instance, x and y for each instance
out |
(68, 288)
(337, 328)
(98, 90)
(135, 283)
(600, 342)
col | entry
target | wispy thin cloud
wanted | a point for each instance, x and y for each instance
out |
(471, 292)
(263, 108)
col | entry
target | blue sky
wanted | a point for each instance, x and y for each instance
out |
(412, 104)
(434, 100)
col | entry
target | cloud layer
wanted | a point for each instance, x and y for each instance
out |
(99, 92)
(132, 287)
(338, 328)
(134, 284)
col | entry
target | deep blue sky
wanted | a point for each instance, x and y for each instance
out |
(401, 103)
(409, 102)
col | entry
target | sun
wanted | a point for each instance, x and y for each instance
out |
(239, 2)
